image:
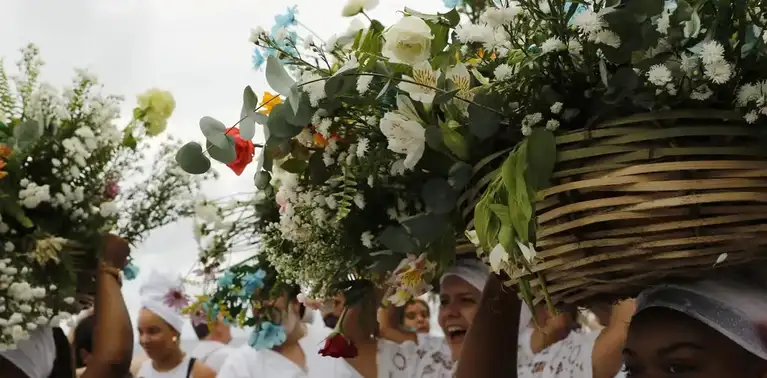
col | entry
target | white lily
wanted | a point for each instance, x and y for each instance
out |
(497, 257)
(426, 79)
(461, 77)
(528, 251)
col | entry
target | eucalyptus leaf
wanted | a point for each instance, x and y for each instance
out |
(224, 155)
(484, 123)
(541, 158)
(27, 133)
(214, 131)
(278, 78)
(318, 171)
(434, 138)
(294, 166)
(191, 159)
(280, 122)
(460, 175)
(439, 196)
(248, 121)
(444, 97)
(397, 239)
(262, 179)
(427, 228)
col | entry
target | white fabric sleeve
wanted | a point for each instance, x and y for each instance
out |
(235, 366)
(217, 359)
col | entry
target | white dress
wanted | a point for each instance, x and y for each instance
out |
(183, 370)
(211, 353)
(246, 362)
(429, 358)
(570, 357)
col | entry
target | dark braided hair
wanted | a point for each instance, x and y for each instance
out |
(83, 339)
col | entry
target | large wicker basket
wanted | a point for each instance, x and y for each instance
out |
(650, 197)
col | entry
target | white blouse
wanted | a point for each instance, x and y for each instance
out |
(182, 370)
(570, 357)
(246, 362)
(428, 358)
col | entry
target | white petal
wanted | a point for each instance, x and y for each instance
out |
(528, 251)
(721, 258)
(497, 256)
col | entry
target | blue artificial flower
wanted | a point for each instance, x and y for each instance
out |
(210, 309)
(267, 335)
(226, 280)
(253, 281)
(451, 3)
(285, 20)
(130, 271)
(258, 58)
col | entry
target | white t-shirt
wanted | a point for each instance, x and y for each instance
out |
(570, 357)
(429, 358)
(246, 362)
(211, 353)
(182, 370)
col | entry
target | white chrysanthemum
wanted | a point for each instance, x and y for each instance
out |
(711, 52)
(552, 124)
(363, 83)
(315, 89)
(719, 72)
(607, 37)
(752, 92)
(503, 72)
(500, 16)
(701, 93)
(367, 239)
(689, 63)
(574, 47)
(552, 44)
(362, 147)
(659, 75)
(472, 33)
(556, 108)
(589, 22)
(751, 117)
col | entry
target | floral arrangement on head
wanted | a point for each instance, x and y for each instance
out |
(396, 140)
(68, 175)
(245, 295)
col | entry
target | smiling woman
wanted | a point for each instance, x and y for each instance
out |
(701, 330)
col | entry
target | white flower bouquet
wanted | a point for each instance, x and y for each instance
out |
(67, 176)
(558, 131)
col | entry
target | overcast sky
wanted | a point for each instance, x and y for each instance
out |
(197, 49)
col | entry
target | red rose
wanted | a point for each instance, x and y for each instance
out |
(338, 346)
(244, 149)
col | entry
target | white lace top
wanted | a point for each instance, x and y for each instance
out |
(570, 357)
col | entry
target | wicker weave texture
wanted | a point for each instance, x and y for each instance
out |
(650, 197)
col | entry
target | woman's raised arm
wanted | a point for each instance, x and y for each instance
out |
(490, 349)
(113, 333)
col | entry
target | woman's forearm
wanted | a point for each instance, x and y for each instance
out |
(490, 349)
(607, 355)
(113, 334)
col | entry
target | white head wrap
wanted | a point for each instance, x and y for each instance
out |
(153, 293)
(472, 271)
(730, 307)
(35, 356)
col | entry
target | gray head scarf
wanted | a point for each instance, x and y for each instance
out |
(730, 307)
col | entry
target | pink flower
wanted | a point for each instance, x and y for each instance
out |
(198, 318)
(176, 299)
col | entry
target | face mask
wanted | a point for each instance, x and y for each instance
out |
(330, 320)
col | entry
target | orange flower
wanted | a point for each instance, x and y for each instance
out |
(5, 151)
(245, 151)
(2, 172)
(320, 140)
(268, 102)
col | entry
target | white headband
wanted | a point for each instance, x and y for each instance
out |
(153, 293)
(35, 356)
(471, 271)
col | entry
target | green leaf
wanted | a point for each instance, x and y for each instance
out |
(453, 17)
(427, 228)
(444, 97)
(262, 179)
(503, 214)
(460, 175)
(439, 196)
(278, 78)
(441, 34)
(214, 131)
(294, 166)
(384, 89)
(248, 123)
(225, 155)
(645, 8)
(260, 118)
(27, 133)
(541, 158)
(191, 159)
(455, 142)
(484, 123)
(318, 171)
(506, 238)
(10, 206)
(397, 240)
(278, 122)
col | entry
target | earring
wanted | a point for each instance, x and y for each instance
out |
(175, 339)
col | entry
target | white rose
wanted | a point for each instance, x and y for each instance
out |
(405, 136)
(354, 7)
(408, 41)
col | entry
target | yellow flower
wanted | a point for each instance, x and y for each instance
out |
(48, 249)
(268, 102)
(155, 106)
